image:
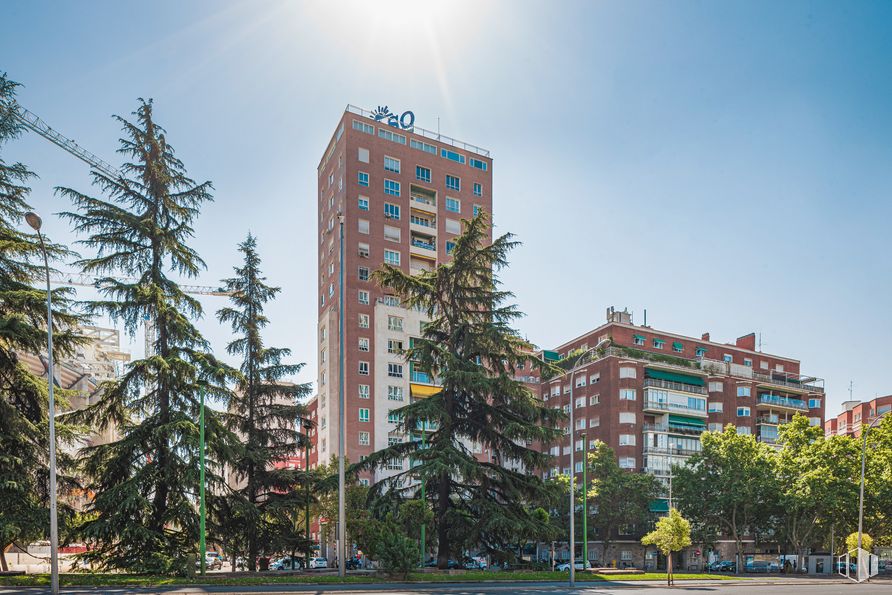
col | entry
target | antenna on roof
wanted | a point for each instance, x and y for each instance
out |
(760, 342)
(645, 317)
(851, 389)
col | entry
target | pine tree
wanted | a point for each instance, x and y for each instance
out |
(263, 410)
(24, 433)
(146, 482)
(471, 348)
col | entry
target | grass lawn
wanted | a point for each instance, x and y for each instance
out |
(265, 579)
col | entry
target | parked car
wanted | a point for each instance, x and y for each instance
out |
(212, 561)
(723, 566)
(475, 564)
(287, 563)
(565, 567)
(762, 566)
(318, 563)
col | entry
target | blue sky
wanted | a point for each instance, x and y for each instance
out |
(725, 165)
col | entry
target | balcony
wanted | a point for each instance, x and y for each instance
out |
(679, 386)
(423, 246)
(782, 402)
(423, 224)
(655, 406)
(669, 450)
(421, 377)
(423, 203)
(769, 420)
(673, 429)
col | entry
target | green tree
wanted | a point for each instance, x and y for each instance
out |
(146, 481)
(263, 410)
(617, 497)
(24, 433)
(728, 487)
(470, 347)
(852, 542)
(817, 480)
(877, 481)
(672, 534)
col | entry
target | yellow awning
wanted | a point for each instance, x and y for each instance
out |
(424, 390)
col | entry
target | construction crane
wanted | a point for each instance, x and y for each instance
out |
(86, 280)
(34, 123)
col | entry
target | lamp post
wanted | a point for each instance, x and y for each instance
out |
(202, 510)
(307, 424)
(861, 496)
(342, 515)
(35, 222)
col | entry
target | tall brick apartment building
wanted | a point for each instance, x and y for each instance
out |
(649, 394)
(855, 414)
(403, 192)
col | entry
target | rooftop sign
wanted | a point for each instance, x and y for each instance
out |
(406, 120)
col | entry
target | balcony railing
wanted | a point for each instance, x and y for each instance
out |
(779, 401)
(422, 377)
(674, 407)
(666, 450)
(420, 244)
(679, 386)
(673, 429)
(422, 222)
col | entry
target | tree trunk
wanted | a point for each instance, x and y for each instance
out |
(3, 565)
(443, 545)
(669, 580)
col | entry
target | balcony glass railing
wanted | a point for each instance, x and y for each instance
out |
(698, 406)
(424, 200)
(769, 399)
(671, 385)
(422, 377)
(422, 244)
(422, 222)
(674, 429)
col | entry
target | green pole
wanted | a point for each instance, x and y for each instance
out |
(202, 513)
(584, 501)
(423, 500)
(307, 496)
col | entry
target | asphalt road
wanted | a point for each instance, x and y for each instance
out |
(736, 588)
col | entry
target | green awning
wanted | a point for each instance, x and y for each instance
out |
(677, 345)
(639, 337)
(659, 505)
(673, 377)
(680, 420)
(551, 356)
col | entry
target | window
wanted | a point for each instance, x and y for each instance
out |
(779, 367)
(714, 427)
(814, 403)
(580, 381)
(627, 462)
(715, 387)
(322, 378)
(743, 391)
(391, 187)
(627, 394)
(677, 347)
(363, 178)
(363, 391)
(391, 211)
(626, 555)
(594, 422)
(363, 203)
(422, 174)
(394, 465)
(421, 146)
(453, 204)
(323, 356)
(580, 402)
(362, 155)
(763, 365)
(747, 362)
(394, 346)
(391, 164)
(744, 430)
(580, 423)
(323, 334)
(363, 438)
(556, 390)
(477, 210)
(453, 182)
(391, 233)
(393, 418)
(628, 372)
(743, 412)
(627, 417)
(478, 163)
(395, 393)
(700, 352)
(658, 343)
(594, 399)
(453, 226)
(363, 344)
(364, 297)
(391, 136)
(364, 250)
(363, 415)
(395, 370)
(362, 226)
(450, 246)
(727, 358)
(363, 321)
(594, 378)
(627, 439)
(394, 323)
(392, 257)
(637, 340)
(814, 421)
(715, 407)
(363, 273)
(452, 156)
(577, 466)
(363, 127)
(478, 189)
(363, 368)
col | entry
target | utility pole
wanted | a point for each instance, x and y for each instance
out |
(423, 499)
(585, 500)
(307, 425)
(342, 513)
(202, 546)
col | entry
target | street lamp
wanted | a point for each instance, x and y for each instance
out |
(35, 222)
(342, 513)
(307, 424)
(861, 496)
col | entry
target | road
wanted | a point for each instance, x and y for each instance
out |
(736, 588)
